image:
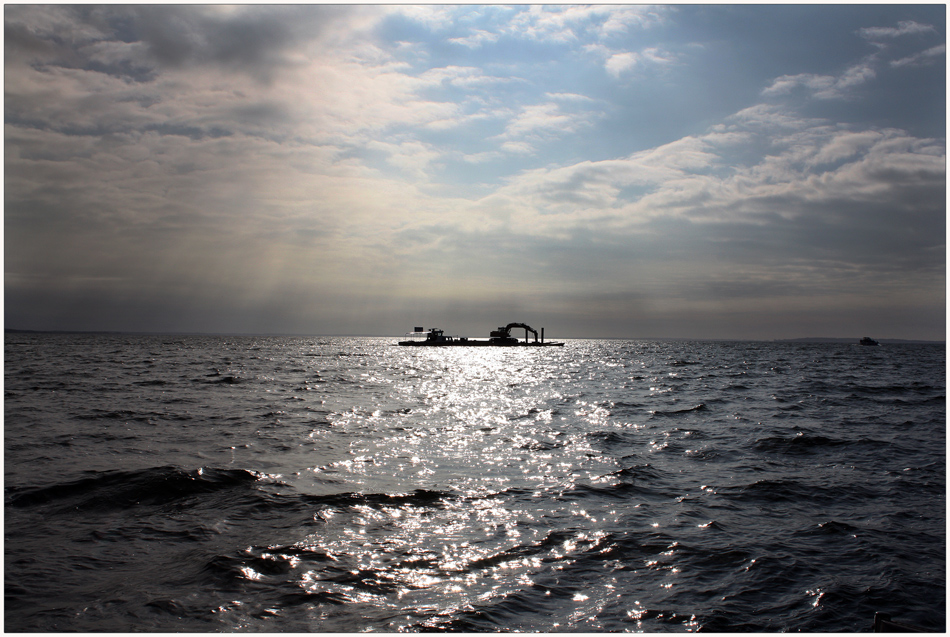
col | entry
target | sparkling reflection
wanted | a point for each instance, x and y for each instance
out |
(508, 487)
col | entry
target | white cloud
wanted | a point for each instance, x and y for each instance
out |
(547, 23)
(464, 77)
(563, 24)
(480, 158)
(476, 39)
(767, 119)
(787, 83)
(621, 18)
(806, 172)
(568, 97)
(924, 57)
(823, 86)
(518, 148)
(905, 27)
(657, 56)
(594, 189)
(434, 17)
(854, 76)
(618, 63)
(411, 156)
(842, 146)
(537, 123)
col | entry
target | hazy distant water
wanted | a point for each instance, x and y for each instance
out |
(291, 484)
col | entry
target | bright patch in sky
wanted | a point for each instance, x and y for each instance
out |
(738, 171)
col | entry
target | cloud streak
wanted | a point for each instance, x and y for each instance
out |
(904, 27)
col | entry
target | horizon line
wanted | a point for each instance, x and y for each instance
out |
(827, 339)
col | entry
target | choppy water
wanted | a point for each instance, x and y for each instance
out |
(292, 484)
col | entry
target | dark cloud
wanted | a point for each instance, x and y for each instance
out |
(251, 39)
(182, 36)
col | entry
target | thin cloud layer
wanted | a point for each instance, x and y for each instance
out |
(358, 169)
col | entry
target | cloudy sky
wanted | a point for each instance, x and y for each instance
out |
(633, 171)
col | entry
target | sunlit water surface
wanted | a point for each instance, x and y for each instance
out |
(186, 483)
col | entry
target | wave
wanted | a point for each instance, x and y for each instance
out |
(802, 443)
(419, 497)
(832, 527)
(221, 380)
(131, 415)
(676, 412)
(796, 492)
(611, 438)
(115, 490)
(112, 490)
(638, 472)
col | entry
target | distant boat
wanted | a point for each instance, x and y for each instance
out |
(498, 338)
(867, 340)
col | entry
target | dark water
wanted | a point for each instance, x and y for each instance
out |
(291, 484)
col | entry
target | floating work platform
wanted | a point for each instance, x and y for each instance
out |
(498, 338)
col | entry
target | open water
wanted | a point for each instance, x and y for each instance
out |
(197, 483)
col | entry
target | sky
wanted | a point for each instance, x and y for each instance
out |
(680, 171)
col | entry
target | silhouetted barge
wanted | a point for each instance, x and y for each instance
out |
(498, 338)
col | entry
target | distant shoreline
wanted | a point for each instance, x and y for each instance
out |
(808, 339)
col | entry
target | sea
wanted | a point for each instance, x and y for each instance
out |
(192, 483)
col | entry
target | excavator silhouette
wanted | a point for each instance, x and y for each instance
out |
(503, 336)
